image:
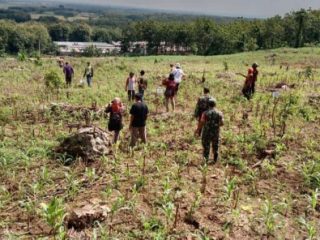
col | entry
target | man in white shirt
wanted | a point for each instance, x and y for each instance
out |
(178, 76)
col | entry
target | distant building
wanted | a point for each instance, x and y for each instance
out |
(70, 48)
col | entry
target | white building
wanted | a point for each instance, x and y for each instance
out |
(69, 48)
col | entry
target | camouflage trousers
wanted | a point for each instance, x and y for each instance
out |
(207, 143)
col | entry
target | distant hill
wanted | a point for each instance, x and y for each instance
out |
(104, 15)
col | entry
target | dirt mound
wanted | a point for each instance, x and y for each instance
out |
(86, 216)
(88, 143)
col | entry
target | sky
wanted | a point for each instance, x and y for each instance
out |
(245, 8)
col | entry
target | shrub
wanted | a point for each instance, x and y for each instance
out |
(53, 80)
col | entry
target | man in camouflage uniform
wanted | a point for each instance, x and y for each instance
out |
(202, 104)
(209, 125)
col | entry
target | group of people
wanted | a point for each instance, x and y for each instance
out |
(69, 72)
(139, 110)
(138, 117)
(209, 118)
(131, 83)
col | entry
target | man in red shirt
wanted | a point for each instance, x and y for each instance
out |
(250, 83)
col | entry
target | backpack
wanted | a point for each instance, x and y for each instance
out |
(115, 121)
(202, 106)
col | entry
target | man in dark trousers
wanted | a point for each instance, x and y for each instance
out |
(202, 104)
(139, 114)
(209, 129)
(68, 73)
(142, 83)
(88, 74)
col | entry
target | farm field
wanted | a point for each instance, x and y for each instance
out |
(264, 186)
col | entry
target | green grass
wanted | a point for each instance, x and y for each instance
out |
(270, 193)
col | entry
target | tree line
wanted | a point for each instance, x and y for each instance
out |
(202, 36)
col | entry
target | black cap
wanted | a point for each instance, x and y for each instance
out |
(212, 102)
(138, 96)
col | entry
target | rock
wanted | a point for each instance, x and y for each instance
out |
(86, 215)
(88, 143)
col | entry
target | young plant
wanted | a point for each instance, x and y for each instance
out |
(116, 206)
(310, 228)
(91, 174)
(194, 205)
(204, 171)
(269, 217)
(313, 199)
(30, 208)
(229, 188)
(73, 185)
(54, 214)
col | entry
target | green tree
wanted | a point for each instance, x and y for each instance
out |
(101, 35)
(300, 18)
(81, 33)
(59, 32)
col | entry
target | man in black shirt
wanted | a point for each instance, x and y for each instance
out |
(139, 114)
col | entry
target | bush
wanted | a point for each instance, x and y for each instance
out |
(22, 56)
(53, 80)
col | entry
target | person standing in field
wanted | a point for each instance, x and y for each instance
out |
(172, 68)
(202, 104)
(142, 83)
(88, 74)
(178, 76)
(138, 118)
(68, 73)
(115, 124)
(170, 92)
(249, 87)
(209, 127)
(130, 86)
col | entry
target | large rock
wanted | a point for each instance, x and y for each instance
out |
(88, 143)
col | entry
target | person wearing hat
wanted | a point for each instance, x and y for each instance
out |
(178, 76)
(138, 118)
(209, 129)
(249, 87)
(115, 124)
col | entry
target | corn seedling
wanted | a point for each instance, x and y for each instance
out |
(229, 188)
(269, 217)
(194, 205)
(73, 185)
(204, 171)
(313, 199)
(91, 174)
(54, 214)
(310, 228)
